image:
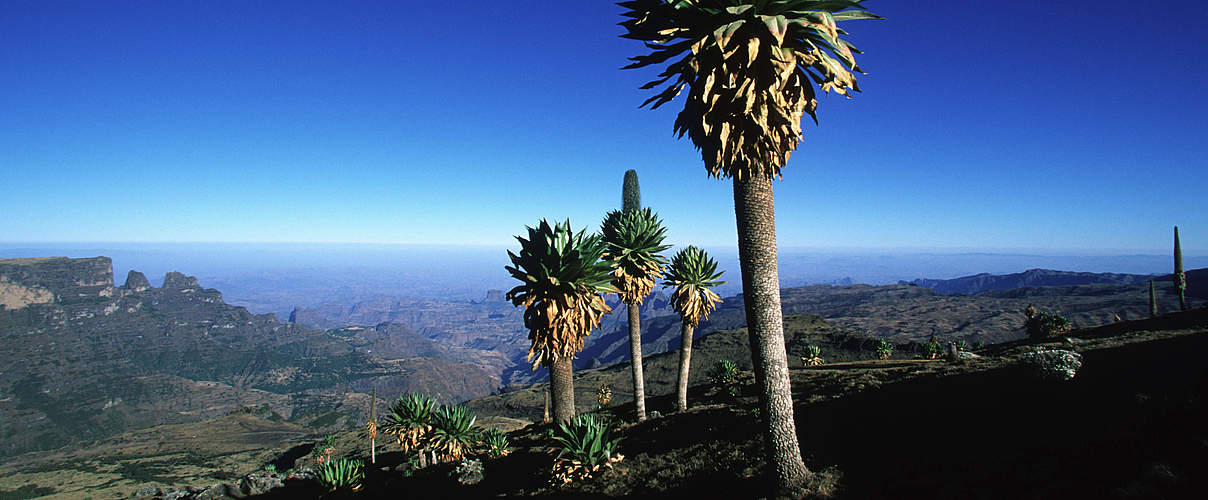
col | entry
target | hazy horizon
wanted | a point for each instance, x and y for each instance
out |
(277, 277)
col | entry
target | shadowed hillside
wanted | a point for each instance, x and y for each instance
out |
(82, 359)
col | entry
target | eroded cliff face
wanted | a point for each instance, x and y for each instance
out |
(17, 296)
(81, 359)
(54, 279)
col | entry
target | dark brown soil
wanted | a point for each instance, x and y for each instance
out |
(1131, 424)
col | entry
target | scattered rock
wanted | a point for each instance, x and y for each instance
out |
(147, 490)
(1057, 364)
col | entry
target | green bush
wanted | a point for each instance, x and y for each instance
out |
(1042, 325)
(340, 474)
(932, 349)
(323, 449)
(495, 443)
(586, 444)
(813, 355)
(453, 434)
(270, 469)
(604, 395)
(725, 376)
(884, 349)
(409, 419)
(962, 345)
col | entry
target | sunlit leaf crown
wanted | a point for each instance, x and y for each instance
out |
(692, 272)
(562, 279)
(747, 65)
(409, 419)
(633, 240)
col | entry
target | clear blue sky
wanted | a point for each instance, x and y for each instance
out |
(1024, 124)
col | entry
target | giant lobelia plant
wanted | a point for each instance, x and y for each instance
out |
(693, 274)
(562, 282)
(633, 240)
(750, 67)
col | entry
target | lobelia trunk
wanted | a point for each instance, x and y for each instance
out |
(562, 390)
(1153, 301)
(635, 352)
(545, 419)
(1180, 279)
(755, 214)
(685, 363)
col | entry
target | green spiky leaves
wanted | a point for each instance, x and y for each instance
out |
(633, 240)
(341, 474)
(692, 272)
(586, 446)
(453, 433)
(748, 65)
(562, 279)
(409, 419)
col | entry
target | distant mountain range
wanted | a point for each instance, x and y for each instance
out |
(969, 285)
(903, 313)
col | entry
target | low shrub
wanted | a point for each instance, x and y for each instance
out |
(453, 434)
(812, 355)
(586, 445)
(409, 419)
(495, 443)
(340, 474)
(324, 448)
(468, 472)
(1042, 325)
(884, 349)
(604, 395)
(932, 349)
(725, 377)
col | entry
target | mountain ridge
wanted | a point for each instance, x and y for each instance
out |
(981, 282)
(87, 359)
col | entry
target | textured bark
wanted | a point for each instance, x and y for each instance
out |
(685, 364)
(635, 353)
(562, 390)
(754, 210)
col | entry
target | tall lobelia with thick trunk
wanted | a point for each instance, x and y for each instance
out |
(562, 285)
(692, 272)
(634, 239)
(1180, 278)
(748, 67)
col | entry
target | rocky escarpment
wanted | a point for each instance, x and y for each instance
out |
(54, 279)
(83, 359)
